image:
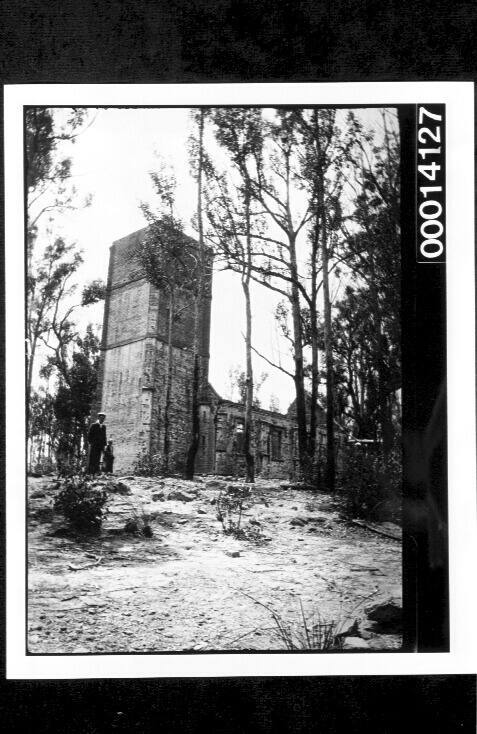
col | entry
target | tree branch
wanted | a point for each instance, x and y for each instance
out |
(273, 364)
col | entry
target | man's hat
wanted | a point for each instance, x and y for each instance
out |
(101, 413)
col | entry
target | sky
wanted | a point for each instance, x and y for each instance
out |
(111, 160)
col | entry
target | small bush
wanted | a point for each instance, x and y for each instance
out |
(230, 505)
(45, 466)
(371, 484)
(115, 487)
(309, 630)
(148, 465)
(154, 465)
(305, 631)
(139, 523)
(67, 466)
(254, 535)
(81, 503)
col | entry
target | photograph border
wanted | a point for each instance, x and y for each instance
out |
(15, 98)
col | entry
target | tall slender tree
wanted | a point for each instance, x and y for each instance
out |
(48, 318)
(49, 192)
(292, 175)
(270, 171)
(233, 224)
(371, 248)
(322, 166)
(198, 166)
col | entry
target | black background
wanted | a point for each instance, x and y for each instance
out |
(247, 40)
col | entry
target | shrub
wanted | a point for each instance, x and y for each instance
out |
(305, 631)
(148, 465)
(139, 523)
(45, 466)
(230, 506)
(67, 466)
(371, 483)
(81, 503)
(309, 630)
(153, 465)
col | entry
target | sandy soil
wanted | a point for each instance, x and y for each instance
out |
(190, 587)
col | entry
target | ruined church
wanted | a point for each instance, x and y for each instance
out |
(132, 378)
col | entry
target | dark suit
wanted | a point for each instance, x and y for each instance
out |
(97, 442)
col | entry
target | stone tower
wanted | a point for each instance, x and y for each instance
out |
(133, 361)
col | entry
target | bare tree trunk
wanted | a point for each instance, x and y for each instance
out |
(383, 383)
(299, 376)
(30, 360)
(315, 377)
(330, 430)
(249, 458)
(199, 303)
(167, 397)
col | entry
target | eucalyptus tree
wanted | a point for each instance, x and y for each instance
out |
(290, 162)
(233, 223)
(74, 395)
(49, 321)
(198, 163)
(49, 193)
(264, 147)
(372, 249)
(322, 166)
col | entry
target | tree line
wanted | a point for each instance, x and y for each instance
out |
(303, 202)
(61, 360)
(306, 203)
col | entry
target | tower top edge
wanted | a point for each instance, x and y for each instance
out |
(135, 238)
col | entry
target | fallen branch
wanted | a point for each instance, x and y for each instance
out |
(76, 609)
(109, 591)
(87, 565)
(374, 530)
(262, 570)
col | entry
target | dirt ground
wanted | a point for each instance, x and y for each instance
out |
(190, 587)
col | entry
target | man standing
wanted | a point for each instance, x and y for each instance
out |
(97, 442)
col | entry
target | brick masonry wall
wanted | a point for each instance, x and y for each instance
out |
(125, 402)
(133, 363)
(180, 407)
(230, 461)
(132, 380)
(128, 313)
(205, 463)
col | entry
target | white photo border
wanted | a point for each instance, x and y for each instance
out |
(462, 658)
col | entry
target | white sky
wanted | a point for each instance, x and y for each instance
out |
(112, 160)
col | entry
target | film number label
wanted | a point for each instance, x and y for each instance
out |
(430, 176)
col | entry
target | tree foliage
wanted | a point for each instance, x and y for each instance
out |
(59, 416)
(325, 237)
(48, 317)
(169, 261)
(238, 385)
(367, 321)
(289, 162)
(51, 260)
(75, 394)
(48, 169)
